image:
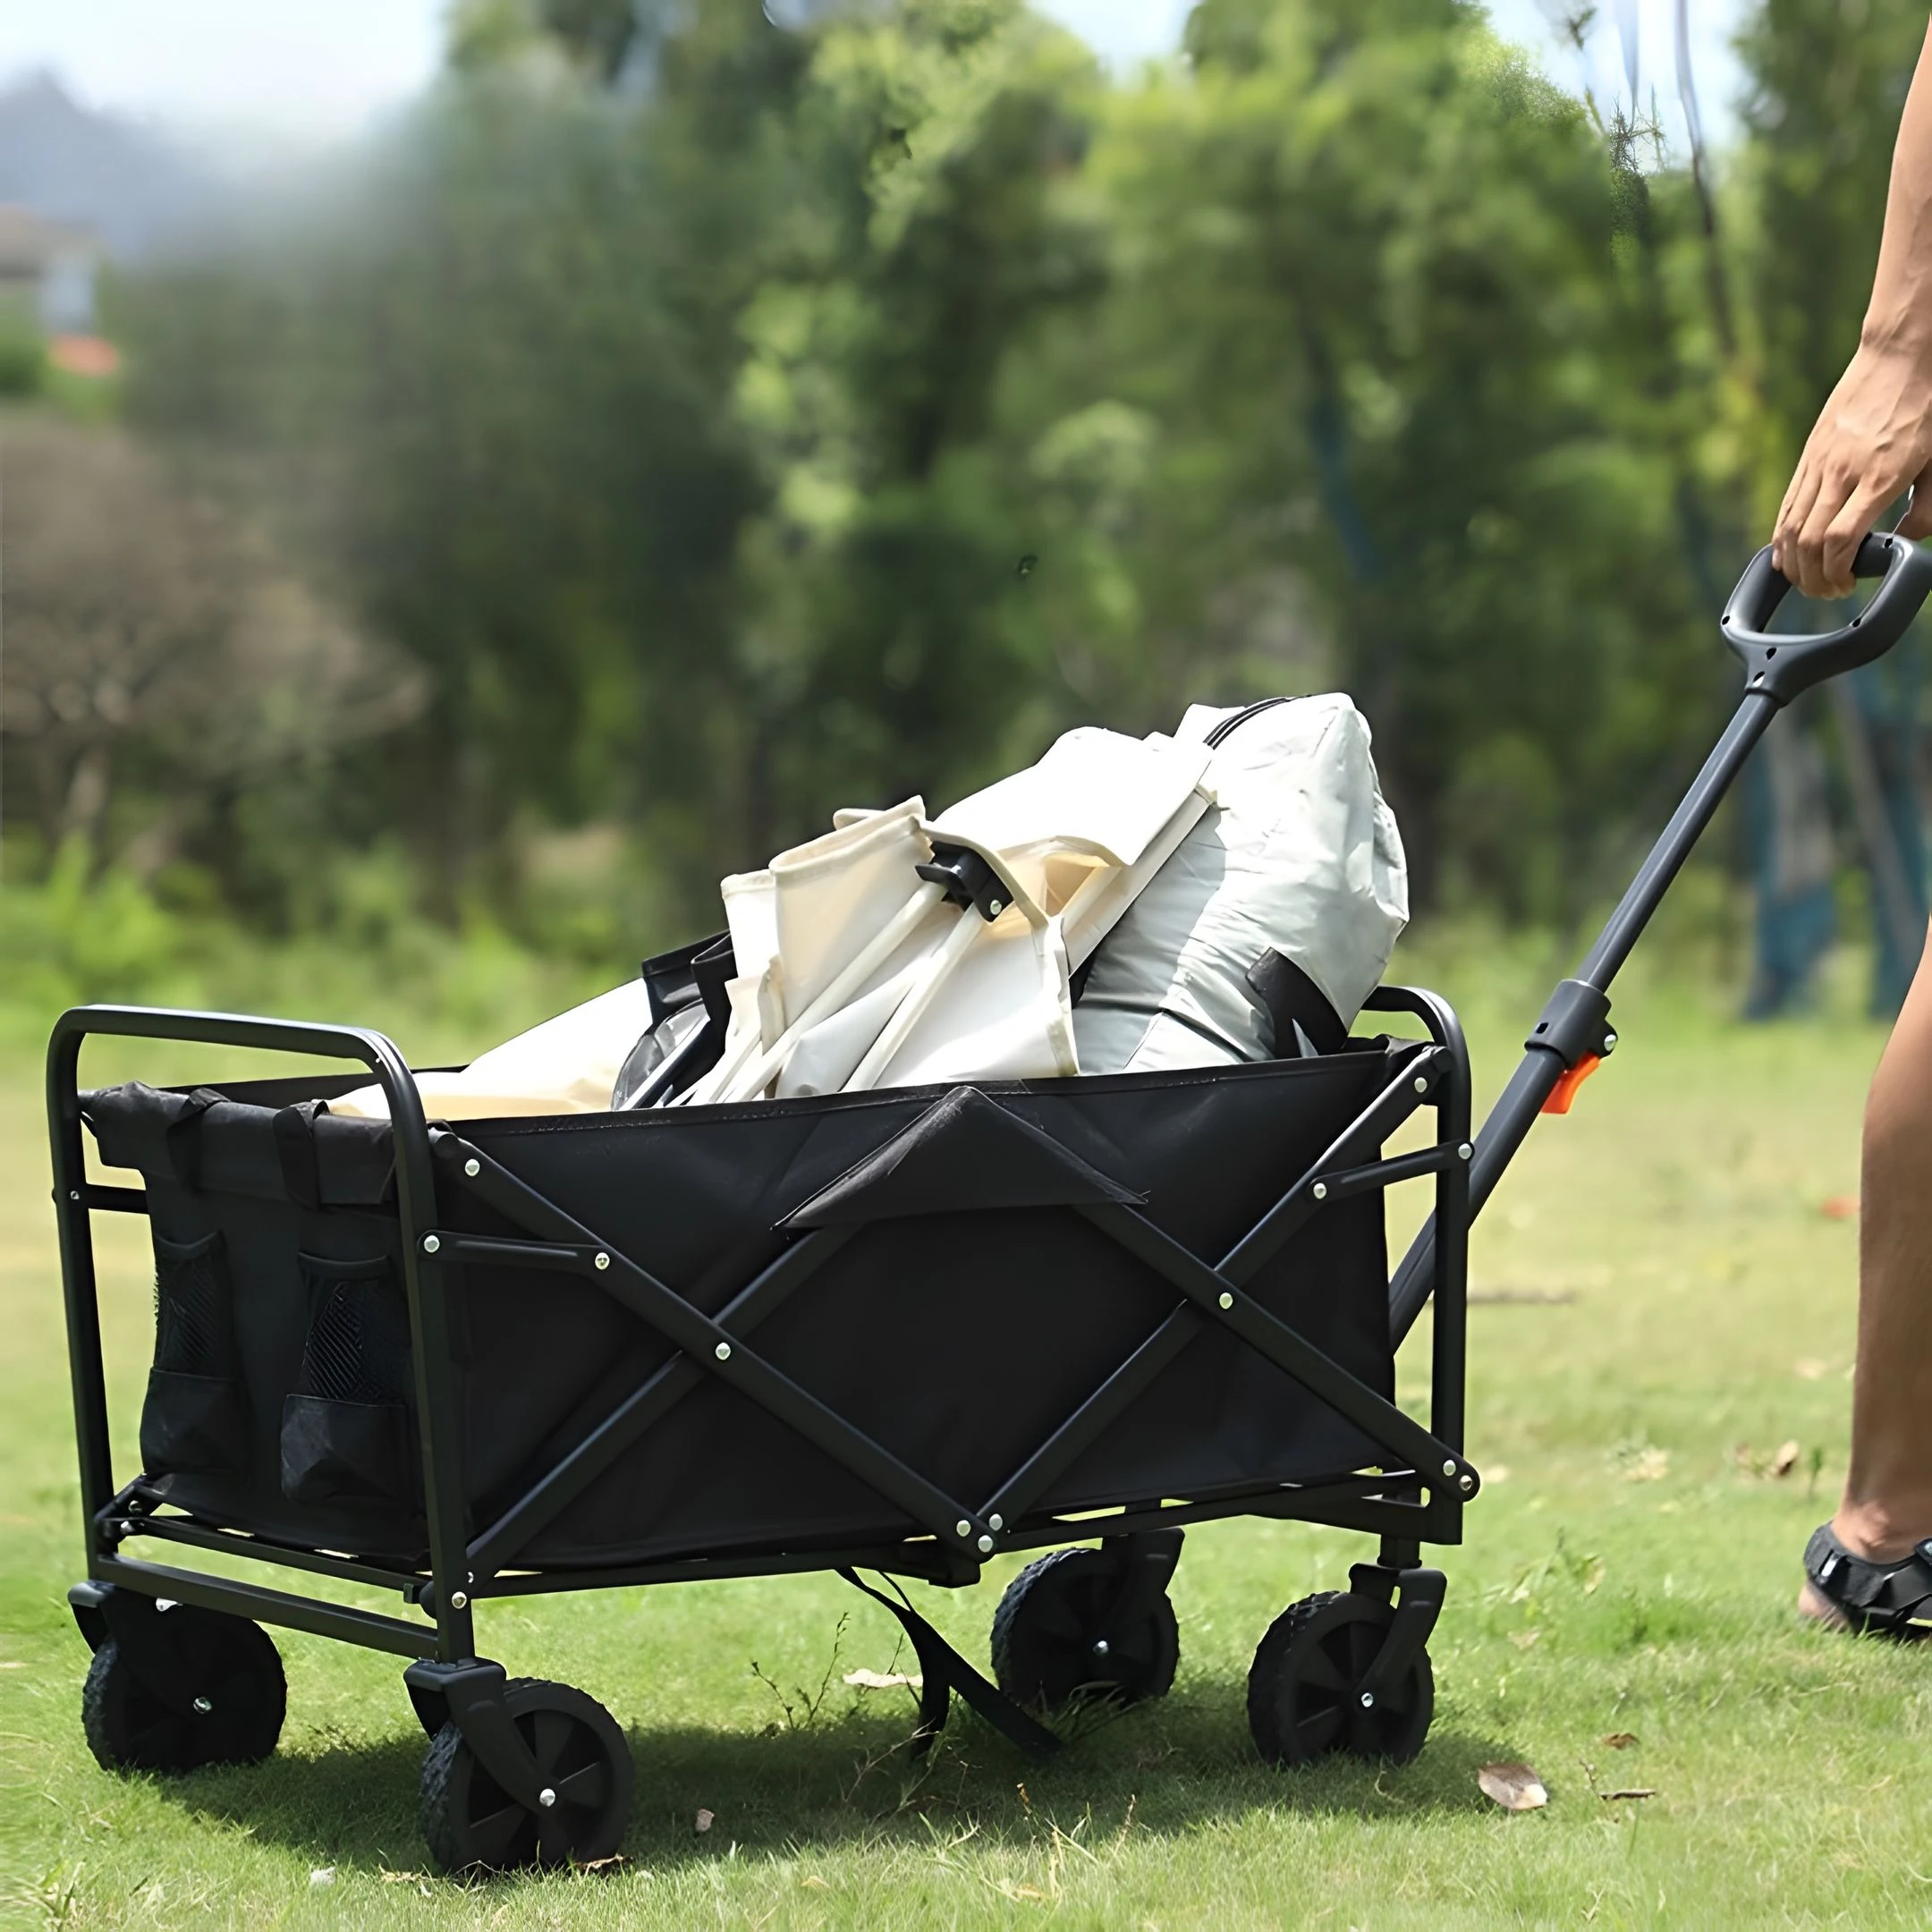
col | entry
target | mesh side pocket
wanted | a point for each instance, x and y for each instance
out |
(345, 1427)
(195, 1420)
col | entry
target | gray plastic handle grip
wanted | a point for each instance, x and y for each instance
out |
(1783, 667)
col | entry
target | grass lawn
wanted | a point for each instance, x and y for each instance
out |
(1663, 1303)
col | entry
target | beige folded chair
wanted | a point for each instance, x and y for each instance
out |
(898, 950)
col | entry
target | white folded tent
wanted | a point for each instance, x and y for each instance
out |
(1299, 855)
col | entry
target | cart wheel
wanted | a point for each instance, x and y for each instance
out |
(1303, 1700)
(226, 1706)
(472, 1823)
(1048, 1645)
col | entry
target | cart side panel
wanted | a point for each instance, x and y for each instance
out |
(961, 1340)
(957, 1341)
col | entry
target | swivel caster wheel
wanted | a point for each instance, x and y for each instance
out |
(1305, 1694)
(186, 1688)
(472, 1823)
(1066, 1629)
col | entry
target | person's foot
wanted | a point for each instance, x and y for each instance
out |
(1817, 1608)
(1845, 1548)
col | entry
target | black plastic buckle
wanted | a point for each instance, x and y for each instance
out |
(968, 880)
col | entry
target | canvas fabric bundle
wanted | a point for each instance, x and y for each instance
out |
(899, 951)
(856, 971)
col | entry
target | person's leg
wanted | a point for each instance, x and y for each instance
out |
(1887, 1504)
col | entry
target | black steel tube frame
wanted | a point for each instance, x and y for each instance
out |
(1778, 667)
(423, 1285)
(1544, 1062)
(1424, 1462)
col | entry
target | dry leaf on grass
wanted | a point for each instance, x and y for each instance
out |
(1621, 1740)
(872, 1679)
(812, 1882)
(1635, 1791)
(1513, 1786)
(323, 1875)
(1651, 1464)
(702, 1822)
(1022, 1892)
(1524, 1638)
(1786, 1460)
(1839, 1206)
(1809, 1368)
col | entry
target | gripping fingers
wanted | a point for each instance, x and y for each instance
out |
(1847, 530)
(1806, 564)
(1791, 515)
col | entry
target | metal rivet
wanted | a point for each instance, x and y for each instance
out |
(459, 1600)
(1464, 1151)
(1421, 1083)
(1368, 1700)
(985, 1546)
(962, 1528)
(73, 1193)
(1448, 1469)
(165, 1603)
(603, 1261)
(1609, 1042)
(1321, 1190)
(996, 1520)
(430, 1244)
(996, 907)
(204, 1705)
(547, 1797)
(723, 1351)
(473, 1168)
(1099, 1647)
(1227, 1300)
(1467, 1484)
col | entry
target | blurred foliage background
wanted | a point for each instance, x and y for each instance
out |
(676, 426)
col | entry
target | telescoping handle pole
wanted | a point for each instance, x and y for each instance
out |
(1573, 1034)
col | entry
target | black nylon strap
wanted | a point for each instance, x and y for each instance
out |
(944, 1671)
(295, 1150)
(183, 1137)
(1292, 999)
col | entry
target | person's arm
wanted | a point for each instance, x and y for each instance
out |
(1873, 436)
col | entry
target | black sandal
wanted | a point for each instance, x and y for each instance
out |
(1890, 1599)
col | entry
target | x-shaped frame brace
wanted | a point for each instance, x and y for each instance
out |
(719, 1345)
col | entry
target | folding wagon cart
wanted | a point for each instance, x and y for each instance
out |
(899, 1332)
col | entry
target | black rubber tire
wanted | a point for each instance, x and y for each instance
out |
(1046, 1626)
(1303, 1702)
(472, 1824)
(227, 1709)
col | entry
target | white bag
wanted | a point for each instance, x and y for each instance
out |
(1298, 853)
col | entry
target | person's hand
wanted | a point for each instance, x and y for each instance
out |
(1871, 441)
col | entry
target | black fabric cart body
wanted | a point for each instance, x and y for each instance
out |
(904, 1332)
